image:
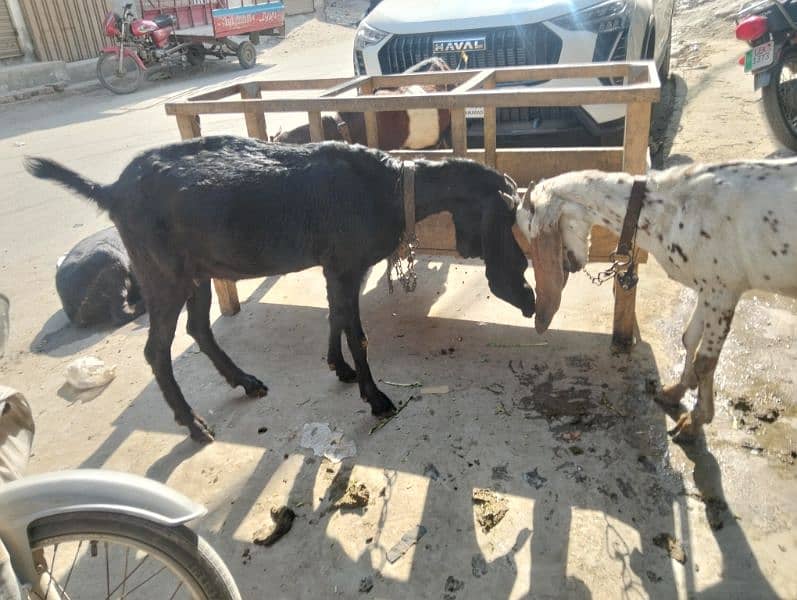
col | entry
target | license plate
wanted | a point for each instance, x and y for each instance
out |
(474, 113)
(759, 57)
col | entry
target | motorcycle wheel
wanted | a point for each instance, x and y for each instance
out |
(779, 99)
(247, 54)
(120, 79)
(100, 554)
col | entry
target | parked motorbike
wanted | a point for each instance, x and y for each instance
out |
(95, 533)
(770, 28)
(152, 46)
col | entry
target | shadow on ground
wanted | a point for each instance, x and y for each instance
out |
(568, 433)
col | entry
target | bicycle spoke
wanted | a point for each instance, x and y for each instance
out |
(174, 595)
(72, 568)
(50, 572)
(124, 581)
(138, 566)
(107, 571)
(146, 581)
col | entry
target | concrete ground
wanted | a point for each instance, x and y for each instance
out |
(567, 434)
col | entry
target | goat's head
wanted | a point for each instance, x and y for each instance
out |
(483, 226)
(558, 232)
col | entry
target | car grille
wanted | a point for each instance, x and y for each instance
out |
(505, 47)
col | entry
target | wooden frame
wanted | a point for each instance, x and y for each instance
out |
(471, 88)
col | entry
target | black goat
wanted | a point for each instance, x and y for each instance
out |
(234, 208)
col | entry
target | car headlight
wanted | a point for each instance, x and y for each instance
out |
(601, 18)
(367, 36)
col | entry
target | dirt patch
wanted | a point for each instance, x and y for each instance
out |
(490, 508)
(356, 496)
(673, 547)
(281, 523)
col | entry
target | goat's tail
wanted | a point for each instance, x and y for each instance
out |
(44, 168)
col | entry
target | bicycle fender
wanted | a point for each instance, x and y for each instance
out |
(27, 500)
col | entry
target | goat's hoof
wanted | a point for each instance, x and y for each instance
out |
(345, 373)
(200, 430)
(381, 406)
(253, 387)
(686, 429)
(672, 395)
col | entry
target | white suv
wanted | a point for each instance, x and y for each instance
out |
(498, 33)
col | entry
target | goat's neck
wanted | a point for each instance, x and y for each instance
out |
(606, 203)
(439, 187)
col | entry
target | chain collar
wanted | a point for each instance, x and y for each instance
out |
(406, 248)
(624, 258)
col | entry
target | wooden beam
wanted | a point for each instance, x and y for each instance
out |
(346, 86)
(227, 293)
(255, 121)
(501, 97)
(371, 124)
(316, 127)
(286, 85)
(189, 126)
(490, 128)
(637, 131)
(217, 94)
(225, 290)
(477, 81)
(459, 132)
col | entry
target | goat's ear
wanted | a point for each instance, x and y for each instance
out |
(549, 276)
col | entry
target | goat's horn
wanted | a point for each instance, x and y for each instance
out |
(526, 203)
(511, 201)
(511, 183)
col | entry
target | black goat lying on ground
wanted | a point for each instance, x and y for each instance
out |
(95, 283)
(233, 208)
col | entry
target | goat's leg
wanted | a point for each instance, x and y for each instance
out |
(199, 328)
(158, 352)
(672, 395)
(720, 308)
(337, 323)
(345, 290)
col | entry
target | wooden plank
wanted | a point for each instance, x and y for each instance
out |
(459, 132)
(226, 290)
(637, 128)
(424, 78)
(371, 124)
(490, 128)
(218, 93)
(526, 165)
(286, 85)
(227, 293)
(255, 121)
(316, 127)
(564, 71)
(539, 96)
(189, 126)
(351, 84)
(477, 81)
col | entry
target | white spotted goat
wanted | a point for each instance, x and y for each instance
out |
(719, 229)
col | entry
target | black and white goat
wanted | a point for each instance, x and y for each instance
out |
(413, 129)
(234, 208)
(720, 229)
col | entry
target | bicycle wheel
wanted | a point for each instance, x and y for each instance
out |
(107, 555)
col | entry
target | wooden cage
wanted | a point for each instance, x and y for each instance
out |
(469, 88)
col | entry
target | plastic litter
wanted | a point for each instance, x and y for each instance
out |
(320, 438)
(89, 372)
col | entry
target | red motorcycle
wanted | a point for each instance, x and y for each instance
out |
(152, 45)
